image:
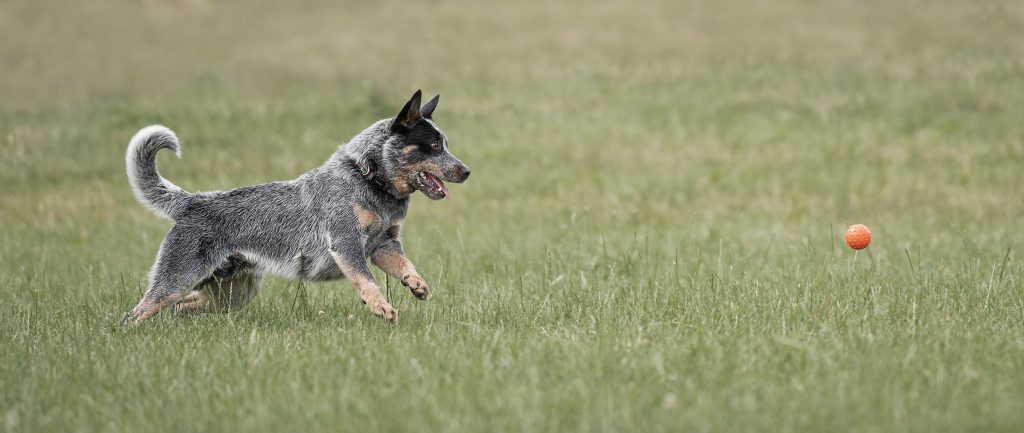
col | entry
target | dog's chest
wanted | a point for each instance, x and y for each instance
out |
(378, 233)
(377, 225)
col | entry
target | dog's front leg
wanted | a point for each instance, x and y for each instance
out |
(356, 270)
(390, 259)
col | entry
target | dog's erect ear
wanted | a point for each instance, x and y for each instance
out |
(428, 110)
(409, 115)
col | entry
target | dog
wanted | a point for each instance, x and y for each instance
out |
(322, 226)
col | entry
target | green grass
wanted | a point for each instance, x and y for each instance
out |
(651, 239)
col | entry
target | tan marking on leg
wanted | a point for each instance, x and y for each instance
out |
(393, 264)
(195, 302)
(366, 217)
(368, 290)
(147, 308)
(398, 266)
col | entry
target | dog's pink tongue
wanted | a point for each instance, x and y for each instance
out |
(438, 183)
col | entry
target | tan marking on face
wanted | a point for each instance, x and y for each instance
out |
(429, 167)
(402, 185)
(365, 217)
(405, 172)
(409, 149)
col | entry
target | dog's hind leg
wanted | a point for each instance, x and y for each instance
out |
(231, 287)
(196, 301)
(220, 295)
(185, 260)
(236, 293)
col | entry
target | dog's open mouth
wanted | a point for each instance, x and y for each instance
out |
(432, 186)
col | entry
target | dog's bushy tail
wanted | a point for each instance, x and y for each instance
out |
(152, 190)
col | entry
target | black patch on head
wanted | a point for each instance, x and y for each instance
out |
(423, 134)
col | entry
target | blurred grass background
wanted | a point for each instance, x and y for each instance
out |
(651, 240)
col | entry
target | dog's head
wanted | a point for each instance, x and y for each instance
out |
(416, 156)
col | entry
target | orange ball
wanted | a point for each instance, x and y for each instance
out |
(858, 236)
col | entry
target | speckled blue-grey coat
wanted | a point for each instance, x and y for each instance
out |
(320, 227)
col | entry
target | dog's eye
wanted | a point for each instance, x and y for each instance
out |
(435, 145)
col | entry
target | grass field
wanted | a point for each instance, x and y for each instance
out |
(651, 239)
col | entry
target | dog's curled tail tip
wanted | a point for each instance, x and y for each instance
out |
(151, 189)
(157, 137)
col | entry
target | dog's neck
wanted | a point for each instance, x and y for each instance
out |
(365, 154)
(370, 172)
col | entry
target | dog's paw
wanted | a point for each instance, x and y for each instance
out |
(129, 321)
(417, 286)
(385, 311)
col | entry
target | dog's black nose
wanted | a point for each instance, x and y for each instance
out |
(465, 172)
